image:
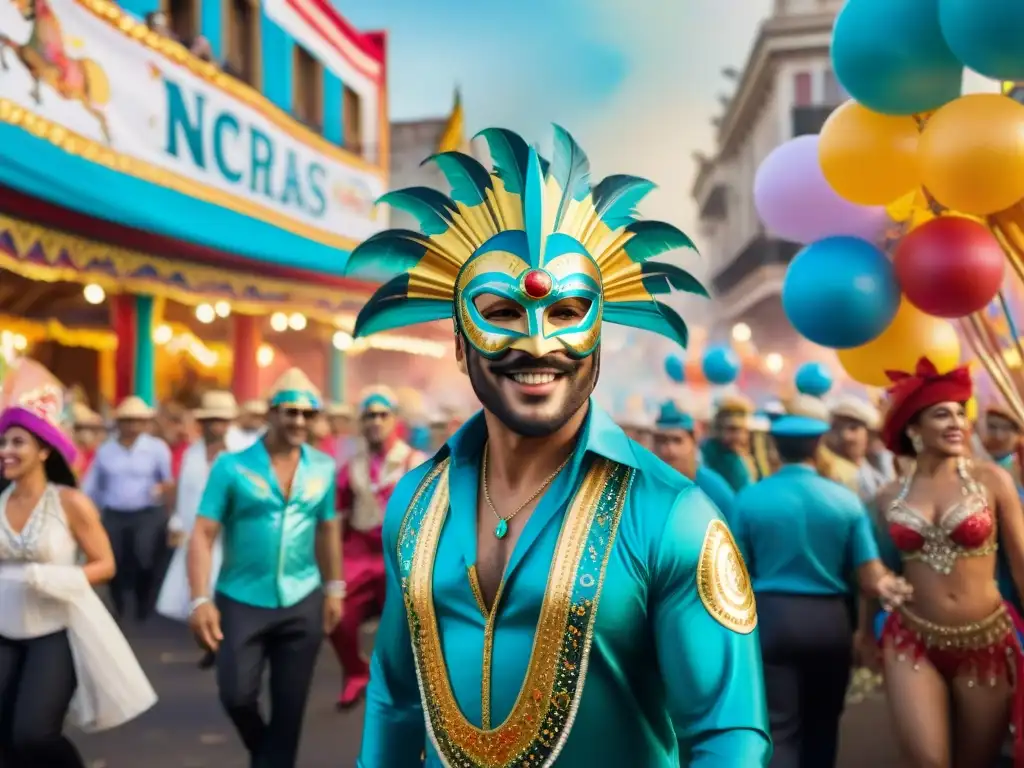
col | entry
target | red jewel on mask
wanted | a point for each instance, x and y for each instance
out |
(537, 283)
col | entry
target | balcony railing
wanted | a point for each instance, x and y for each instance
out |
(762, 251)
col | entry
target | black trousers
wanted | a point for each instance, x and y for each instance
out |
(807, 648)
(138, 539)
(37, 680)
(287, 641)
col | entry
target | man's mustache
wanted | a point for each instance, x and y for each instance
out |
(517, 361)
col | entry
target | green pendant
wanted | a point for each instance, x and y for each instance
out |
(501, 529)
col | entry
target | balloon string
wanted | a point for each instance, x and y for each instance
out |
(1012, 372)
(986, 360)
(994, 362)
(1014, 332)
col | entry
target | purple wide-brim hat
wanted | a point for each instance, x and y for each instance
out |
(49, 433)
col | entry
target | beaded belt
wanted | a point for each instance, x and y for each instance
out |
(974, 636)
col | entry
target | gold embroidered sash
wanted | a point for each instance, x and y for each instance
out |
(539, 724)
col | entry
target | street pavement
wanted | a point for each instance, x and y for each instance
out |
(186, 729)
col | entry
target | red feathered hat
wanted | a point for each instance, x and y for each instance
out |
(910, 394)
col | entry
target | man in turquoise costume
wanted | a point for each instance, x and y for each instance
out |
(554, 592)
(675, 443)
(279, 590)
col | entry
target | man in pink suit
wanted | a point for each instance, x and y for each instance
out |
(365, 484)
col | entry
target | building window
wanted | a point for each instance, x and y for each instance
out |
(352, 119)
(835, 94)
(308, 104)
(803, 95)
(182, 19)
(242, 41)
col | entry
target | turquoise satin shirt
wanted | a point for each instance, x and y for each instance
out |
(269, 541)
(802, 534)
(719, 491)
(666, 682)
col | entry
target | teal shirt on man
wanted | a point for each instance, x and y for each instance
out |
(802, 534)
(269, 541)
(717, 489)
(615, 581)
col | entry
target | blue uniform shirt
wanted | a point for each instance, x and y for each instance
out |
(269, 541)
(719, 491)
(801, 533)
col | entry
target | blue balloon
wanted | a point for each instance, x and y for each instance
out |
(720, 365)
(986, 35)
(813, 379)
(675, 368)
(840, 292)
(892, 56)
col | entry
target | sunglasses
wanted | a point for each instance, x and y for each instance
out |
(375, 415)
(307, 414)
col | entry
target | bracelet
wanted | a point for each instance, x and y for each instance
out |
(195, 603)
(336, 588)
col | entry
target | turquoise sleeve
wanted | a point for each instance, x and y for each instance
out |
(217, 494)
(394, 732)
(864, 546)
(326, 513)
(713, 676)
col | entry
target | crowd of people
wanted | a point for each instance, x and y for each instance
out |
(713, 584)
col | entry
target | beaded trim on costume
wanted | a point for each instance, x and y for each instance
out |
(536, 730)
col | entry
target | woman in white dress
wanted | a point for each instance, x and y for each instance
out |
(215, 416)
(62, 656)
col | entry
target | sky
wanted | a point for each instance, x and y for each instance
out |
(636, 83)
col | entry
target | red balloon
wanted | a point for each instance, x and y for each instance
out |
(950, 267)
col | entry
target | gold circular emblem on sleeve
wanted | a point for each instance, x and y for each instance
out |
(723, 582)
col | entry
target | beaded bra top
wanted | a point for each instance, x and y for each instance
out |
(965, 529)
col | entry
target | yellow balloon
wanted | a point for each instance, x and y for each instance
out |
(971, 154)
(911, 336)
(868, 158)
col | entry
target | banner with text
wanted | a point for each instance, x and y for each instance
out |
(93, 80)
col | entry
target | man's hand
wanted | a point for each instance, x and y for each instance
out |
(866, 651)
(333, 611)
(894, 591)
(205, 624)
(175, 538)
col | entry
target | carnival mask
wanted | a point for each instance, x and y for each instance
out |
(531, 232)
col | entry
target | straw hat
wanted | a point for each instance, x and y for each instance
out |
(84, 416)
(339, 410)
(808, 407)
(217, 405)
(294, 390)
(857, 410)
(377, 395)
(254, 408)
(133, 408)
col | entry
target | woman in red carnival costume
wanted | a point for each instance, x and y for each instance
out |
(952, 658)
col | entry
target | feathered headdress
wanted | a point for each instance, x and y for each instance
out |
(532, 231)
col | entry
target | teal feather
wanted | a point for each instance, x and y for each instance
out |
(616, 198)
(648, 316)
(660, 278)
(432, 209)
(533, 207)
(390, 307)
(388, 252)
(468, 179)
(570, 167)
(653, 238)
(509, 154)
